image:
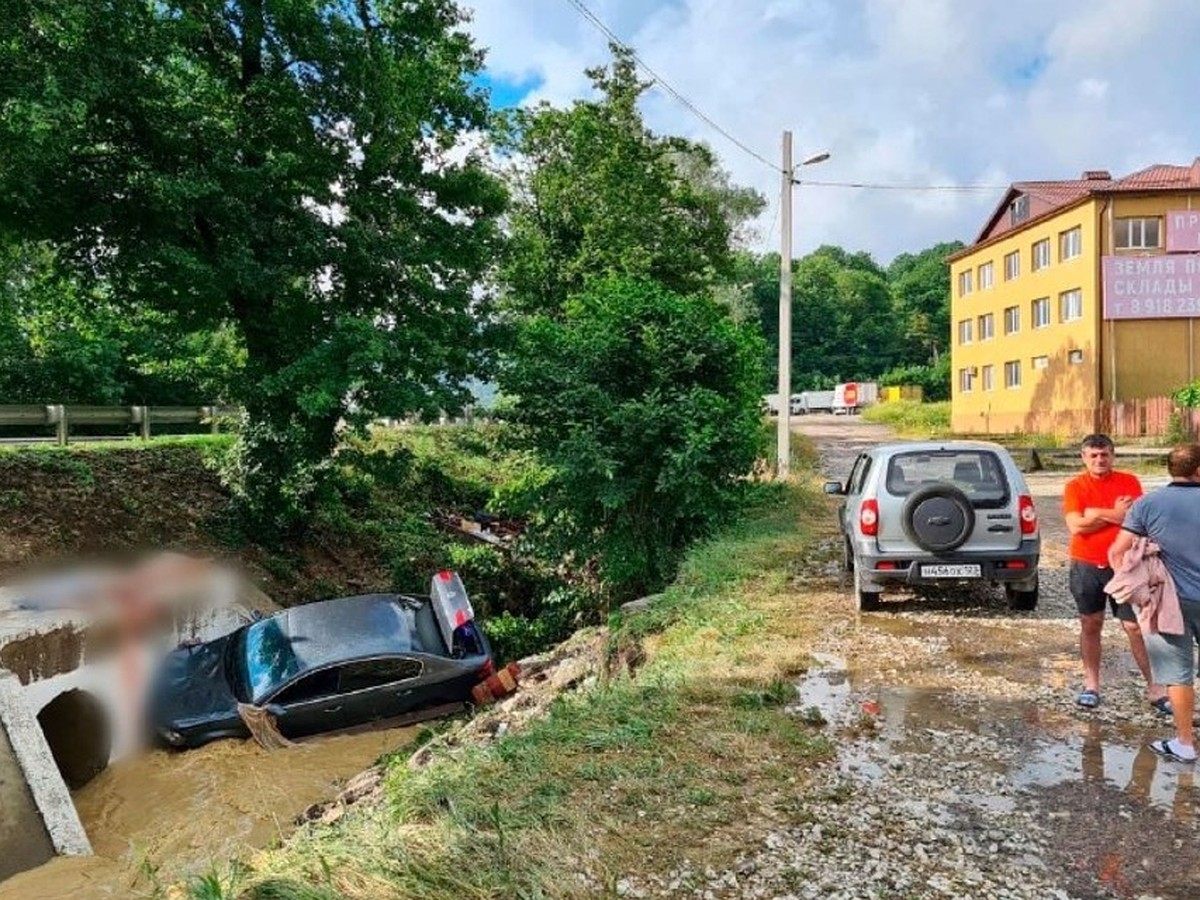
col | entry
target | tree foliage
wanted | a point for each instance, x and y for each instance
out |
(644, 405)
(596, 193)
(854, 320)
(287, 174)
(630, 374)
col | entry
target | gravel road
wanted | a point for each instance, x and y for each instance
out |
(964, 767)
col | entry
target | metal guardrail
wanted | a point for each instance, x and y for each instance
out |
(61, 418)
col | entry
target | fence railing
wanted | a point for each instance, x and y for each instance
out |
(55, 421)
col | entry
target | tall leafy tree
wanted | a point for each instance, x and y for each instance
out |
(921, 291)
(596, 193)
(644, 405)
(634, 381)
(292, 169)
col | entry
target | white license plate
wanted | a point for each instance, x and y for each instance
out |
(972, 570)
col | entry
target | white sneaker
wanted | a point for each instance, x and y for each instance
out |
(1174, 751)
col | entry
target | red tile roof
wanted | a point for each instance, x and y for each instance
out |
(1047, 197)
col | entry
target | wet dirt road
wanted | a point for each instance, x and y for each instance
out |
(955, 703)
(164, 816)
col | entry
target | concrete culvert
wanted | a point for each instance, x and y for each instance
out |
(79, 736)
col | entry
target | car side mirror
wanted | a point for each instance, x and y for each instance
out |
(833, 487)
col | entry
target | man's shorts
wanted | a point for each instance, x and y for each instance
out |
(1173, 656)
(1087, 583)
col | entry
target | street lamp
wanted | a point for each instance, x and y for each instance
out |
(784, 434)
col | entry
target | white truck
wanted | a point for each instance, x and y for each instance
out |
(807, 402)
(851, 397)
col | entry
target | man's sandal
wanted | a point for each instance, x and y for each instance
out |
(1088, 699)
(1162, 706)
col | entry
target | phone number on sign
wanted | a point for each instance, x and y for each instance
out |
(1129, 307)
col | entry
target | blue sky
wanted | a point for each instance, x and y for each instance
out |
(925, 92)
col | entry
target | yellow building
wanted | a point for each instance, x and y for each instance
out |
(1074, 293)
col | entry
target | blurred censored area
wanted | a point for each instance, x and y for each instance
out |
(85, 638)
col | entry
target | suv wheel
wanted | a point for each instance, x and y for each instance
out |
(1023, 601)
(938, 517)
(866, 600)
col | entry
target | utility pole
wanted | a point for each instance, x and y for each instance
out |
(784, 434)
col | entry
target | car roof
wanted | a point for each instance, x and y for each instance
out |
(935, 446)
(346, 628)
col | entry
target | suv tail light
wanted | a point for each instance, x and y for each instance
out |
(1029, 520)
(868, 517)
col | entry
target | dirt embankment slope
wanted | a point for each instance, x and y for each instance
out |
(60, 508)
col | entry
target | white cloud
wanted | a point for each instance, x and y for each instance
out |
(910, 91)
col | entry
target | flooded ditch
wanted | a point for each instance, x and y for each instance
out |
(164, 816)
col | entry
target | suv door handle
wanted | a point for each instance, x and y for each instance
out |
(332, 709)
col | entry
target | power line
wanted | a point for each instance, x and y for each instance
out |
(661, 82)
(665, 85)
(957, 188)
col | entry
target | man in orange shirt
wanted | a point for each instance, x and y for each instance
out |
(1094, 505)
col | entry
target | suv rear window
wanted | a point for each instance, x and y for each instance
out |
(977, 473)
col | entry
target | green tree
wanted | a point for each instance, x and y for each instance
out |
(921, 292)
(643, 403)
(596, 193)
(291, 169)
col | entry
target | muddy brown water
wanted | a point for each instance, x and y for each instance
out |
(165, 816)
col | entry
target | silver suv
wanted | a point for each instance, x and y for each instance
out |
(935, 514)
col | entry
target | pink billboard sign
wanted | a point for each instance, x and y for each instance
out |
(1183, 231)
(1151, 287)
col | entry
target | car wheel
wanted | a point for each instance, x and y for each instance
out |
(866, 600)
(1022, 601)
(938, 517)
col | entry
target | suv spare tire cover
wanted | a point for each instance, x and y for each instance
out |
(938, 517)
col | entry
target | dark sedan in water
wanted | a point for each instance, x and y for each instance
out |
(320, 667)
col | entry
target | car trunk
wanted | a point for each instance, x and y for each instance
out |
(977, 475)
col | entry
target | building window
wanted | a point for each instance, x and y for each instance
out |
(964, 331)
(1012, 265)
(1041, 255)
(1040, 362)
(1075, 357)
(1012, 320)
(966, 381)
(1070, 305)
(986, 276)
(1012, 374)
(964, 283)
(1070, 244)
(1039, 312)
(1138, 234)
(988, 378)
(1018, 210)
(987, 327)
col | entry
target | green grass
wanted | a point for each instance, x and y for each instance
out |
(657, 762)
(911, 418)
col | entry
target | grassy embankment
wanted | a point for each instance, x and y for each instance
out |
(689, 758)
(912, 418)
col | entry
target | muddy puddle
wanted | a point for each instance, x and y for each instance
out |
(162, 817)
(1032, 750)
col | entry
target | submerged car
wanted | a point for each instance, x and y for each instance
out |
(922, 514)
(325, 666)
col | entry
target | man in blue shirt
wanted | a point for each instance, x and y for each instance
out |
(1170, 517)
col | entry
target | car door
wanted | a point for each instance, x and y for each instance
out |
(848, 513)
(310, 704)
(380, 688)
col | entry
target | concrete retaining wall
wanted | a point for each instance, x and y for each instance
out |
(39, 817)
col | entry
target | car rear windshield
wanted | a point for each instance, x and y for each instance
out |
(977, 473)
